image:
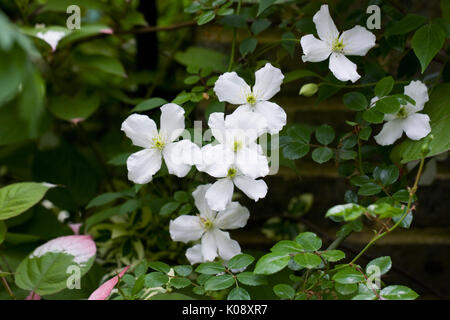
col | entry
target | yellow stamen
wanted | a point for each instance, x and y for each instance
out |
(231, 173)
(251, 99)
(402, 113)
(237, 146)
(158, 143)
(338, 46)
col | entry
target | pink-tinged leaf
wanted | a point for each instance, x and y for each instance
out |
(33, 296)
(107, 31)
(82, 248)
(103, 292)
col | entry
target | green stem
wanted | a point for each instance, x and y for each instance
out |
(372, 84)
(412, 192)
(233, 44)
(8, 289)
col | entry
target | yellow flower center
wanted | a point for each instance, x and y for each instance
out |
(207, 224)
(237, 146)
(158, 143)
(402, 113)
(231, 173)
(338, 46)
(251, 99)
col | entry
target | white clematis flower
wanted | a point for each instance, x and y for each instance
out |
(207, 226)
(236, 159)
(354, 42)
(233, 89)
(51, 37)
(178, 156)
(415, 125)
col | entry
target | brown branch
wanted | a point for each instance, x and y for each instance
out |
(149, 29)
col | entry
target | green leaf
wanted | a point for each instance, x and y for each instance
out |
(387, 175)
(202, 58)
(389, 104)
(407, 24)
(438, 109)
(345, 289)
(102, 63)
(240, 261)
(238, 294)
(308, 260)
(259, 26)
(287, 43)
(427, 41)
(180, 282)
(295, 150)
(398, 293)
(149, 104)
(384, 86)
(383, 264)
(53, 265)
(248, 46)
(286, 247)
(169, 208)
(183, 270)
(325, 134)
(192, 80)
(251, 279)
(104, 199)
(348, 275)
(263, 5)
(322, 154)
(19, 197)
(3, 230)
(359, 180)
(355, 101)
(82, 106)
(219, 282)
(369, 189)
(156, 279)
(205, 17)
(373, 116)
(159, 266)
(384, 210)
(284, 291)
(309, 241)
(271, 263)
(365, 296)
(333, 255)
(349, 211)
(210, 268)
(299, 133)
(299, 74)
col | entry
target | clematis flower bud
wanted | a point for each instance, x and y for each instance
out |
(309, 89)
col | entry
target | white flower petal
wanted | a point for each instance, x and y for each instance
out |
(220, 194)
(216, 123)
(233, 217)
(254, 189)
(392, 130)
(216, 160)
(200, 201)
(232, 88)
(140, 129)
(357, 41)
(274, 115)
(314, 50)
(209, 246)
(251, 163)
(143, 164)
(419, 92)
(326, 29)
(52, 37)
(175, 158)
(342, 68)
(194, 254)
(417, 126)
(227, 247)
(247, 126)
(186, 228)
(267, 82)
(172, 121)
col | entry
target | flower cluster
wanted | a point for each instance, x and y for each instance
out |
(234, 159)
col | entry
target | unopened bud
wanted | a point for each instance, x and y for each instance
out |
(426, 145)
(309, 89)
